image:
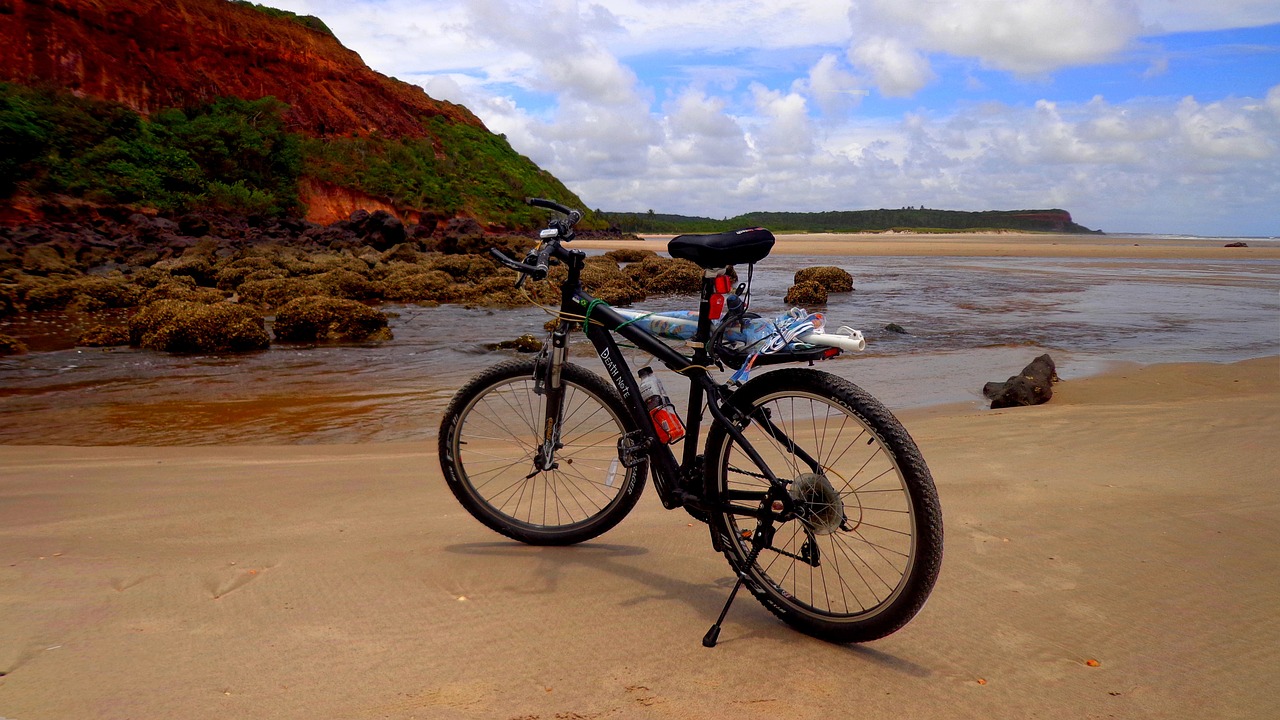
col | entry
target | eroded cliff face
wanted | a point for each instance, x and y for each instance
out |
(154, 54)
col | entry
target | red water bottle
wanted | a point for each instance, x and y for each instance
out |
(665, 420)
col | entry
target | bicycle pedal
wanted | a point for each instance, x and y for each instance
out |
(633, 449)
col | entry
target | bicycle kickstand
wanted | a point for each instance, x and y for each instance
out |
(763, 536)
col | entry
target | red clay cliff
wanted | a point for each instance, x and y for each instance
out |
(155, 54)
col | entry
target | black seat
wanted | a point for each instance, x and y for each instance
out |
(722, 249)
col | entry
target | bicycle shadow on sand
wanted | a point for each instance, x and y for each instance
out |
(706, 598)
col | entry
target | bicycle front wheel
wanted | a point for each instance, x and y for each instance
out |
(862, 553)
(490, 444)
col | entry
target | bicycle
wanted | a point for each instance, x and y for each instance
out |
(814, 492)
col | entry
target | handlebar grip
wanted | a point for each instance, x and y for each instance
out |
(553, 205)
(537, 272)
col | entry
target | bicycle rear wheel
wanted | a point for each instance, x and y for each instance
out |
(491, 436)
(861, 556)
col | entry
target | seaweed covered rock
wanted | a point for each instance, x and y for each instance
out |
(832, 278)
(806, 294)
(661, 275)
(526, 343)
(629, 255)
(104, 336)
(85, 294)
(327, 319)
(415, 285)
(180, 326)
(47, 259)
(10, 345)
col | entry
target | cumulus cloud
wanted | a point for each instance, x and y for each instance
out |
(892, 37)
(556, 77)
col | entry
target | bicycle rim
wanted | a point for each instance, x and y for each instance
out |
(498, 439)
(847, 573)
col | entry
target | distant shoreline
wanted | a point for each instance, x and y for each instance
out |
(990, 244)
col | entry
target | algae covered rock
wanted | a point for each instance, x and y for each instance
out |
(807, 293)
(660, 275)
(630, 255)
(104, 336)
(327, 319)
(832, 278)
(181, 326)
(526, 343)
(10, 345)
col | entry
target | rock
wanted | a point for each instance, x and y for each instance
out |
(1237, 244)
(194, 225)
(401, 252)
(832, 278)
(896, 328)
(806, 294)
(461, 235)
(10, 345)
(326, 319)
(421, 286)
(1032, 387)
(83, 293)
(525, 343)
(46, 259)
(179, 326)
(659, 275)
(104, 336)
(629, 255)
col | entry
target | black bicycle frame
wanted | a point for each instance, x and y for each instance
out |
(676, 486)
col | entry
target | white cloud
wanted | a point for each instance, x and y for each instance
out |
(834, 89)
(898, 69)
(721, 141)
(1026, 37)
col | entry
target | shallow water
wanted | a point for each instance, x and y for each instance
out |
(969, 321)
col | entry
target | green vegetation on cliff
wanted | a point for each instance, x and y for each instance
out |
(915, 219)
(458, 170)
(237, 156)
(310, 22)
(230, 154)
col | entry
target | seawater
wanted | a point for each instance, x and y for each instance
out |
(968, 321)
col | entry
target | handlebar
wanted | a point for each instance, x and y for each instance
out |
(563, 230)
(574, 215)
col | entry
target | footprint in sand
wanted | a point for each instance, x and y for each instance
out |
(219, 588)
(122, 584)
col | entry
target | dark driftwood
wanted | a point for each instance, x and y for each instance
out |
(1032, 387)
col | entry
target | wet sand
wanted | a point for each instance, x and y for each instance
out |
(989, 245)
(1134, 520)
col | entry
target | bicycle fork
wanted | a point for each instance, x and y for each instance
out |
(546, 382)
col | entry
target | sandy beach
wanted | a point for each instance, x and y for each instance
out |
(1012, 244)
(1134, 520)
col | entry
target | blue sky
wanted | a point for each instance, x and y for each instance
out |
(1135, 115)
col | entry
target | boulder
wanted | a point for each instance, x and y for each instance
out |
(1032, 387)
(525, 343)
(10, 345)
(179, 326)
(832, 278)
(806, 294)
(326, 319)
(460, 235)
(46, 259)
(104, 336)
(629, 255)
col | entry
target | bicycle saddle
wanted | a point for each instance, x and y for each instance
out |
(722, 249)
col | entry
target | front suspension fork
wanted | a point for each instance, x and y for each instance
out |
(547, 382)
